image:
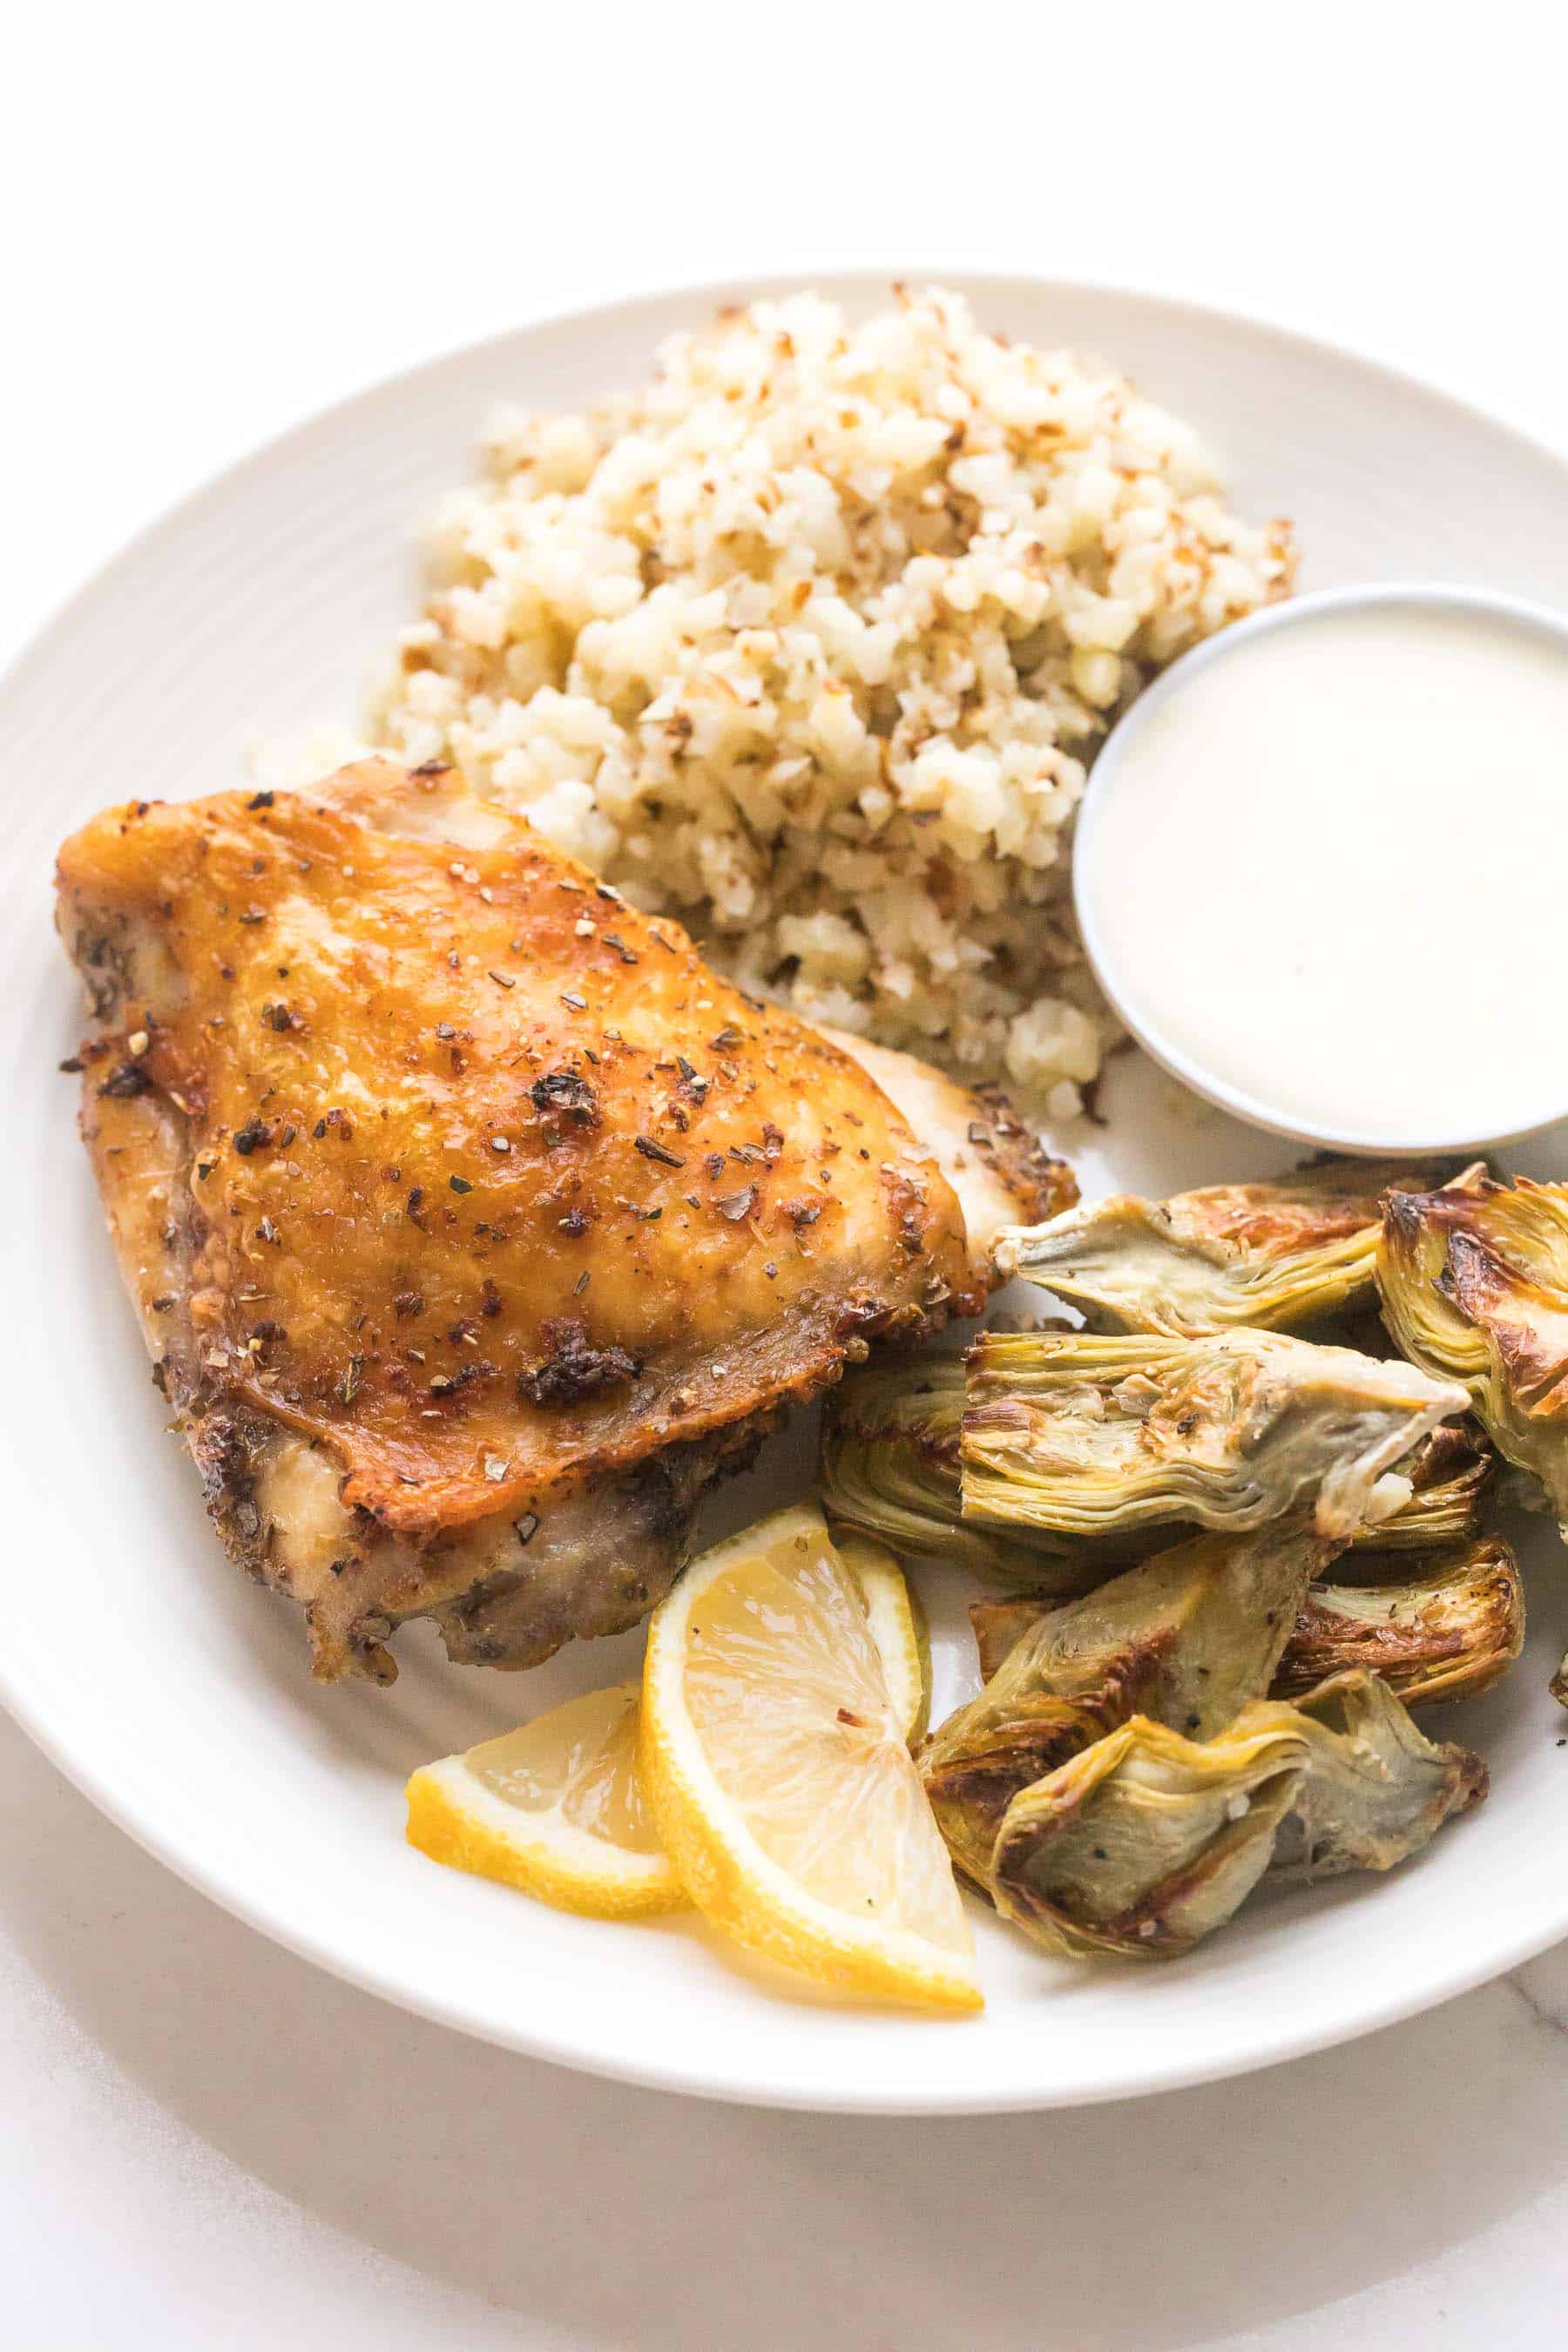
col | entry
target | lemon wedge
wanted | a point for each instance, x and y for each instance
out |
(555, 1809)
(776, 1763)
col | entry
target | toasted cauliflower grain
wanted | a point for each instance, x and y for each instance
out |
(811, 643)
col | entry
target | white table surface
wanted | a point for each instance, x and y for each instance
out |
(217, 218)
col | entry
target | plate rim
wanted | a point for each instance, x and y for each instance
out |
(671, 2071)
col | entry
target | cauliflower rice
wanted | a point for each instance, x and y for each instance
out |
(811, 642)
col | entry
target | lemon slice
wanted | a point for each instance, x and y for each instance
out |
(555, 1809)
(775, 1765)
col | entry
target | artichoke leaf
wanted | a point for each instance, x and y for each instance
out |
(1147, 1841)
(1447, 1628)
(1186, 1638)
(1474, 1281)
(1375, 1790)
(890, 1468)
(1449, 1473)
(1000, 1623)
(1081, 1435)
(1272, 1256)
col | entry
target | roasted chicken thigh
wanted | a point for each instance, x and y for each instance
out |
(473, 1221)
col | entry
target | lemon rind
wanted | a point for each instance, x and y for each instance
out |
(897, 1625)
(456, 1820)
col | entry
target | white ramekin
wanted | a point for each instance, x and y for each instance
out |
(1142, 1017)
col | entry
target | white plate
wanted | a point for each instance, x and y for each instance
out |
(177, 1695)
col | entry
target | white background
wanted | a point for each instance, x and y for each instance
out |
(214, 219)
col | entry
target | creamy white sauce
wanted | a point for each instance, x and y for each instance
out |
(1331, 874)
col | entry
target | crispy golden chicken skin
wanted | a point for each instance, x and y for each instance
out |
(461, 1198)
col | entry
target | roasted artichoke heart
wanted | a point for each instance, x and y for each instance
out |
(1147, 1841)
(1087, 1436)
(1187, 1638)
(889, 1467)
(1448, 1627)
(1474, 1281)
(1375, 1790)
(1272, 1256)
(1450, 1472)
